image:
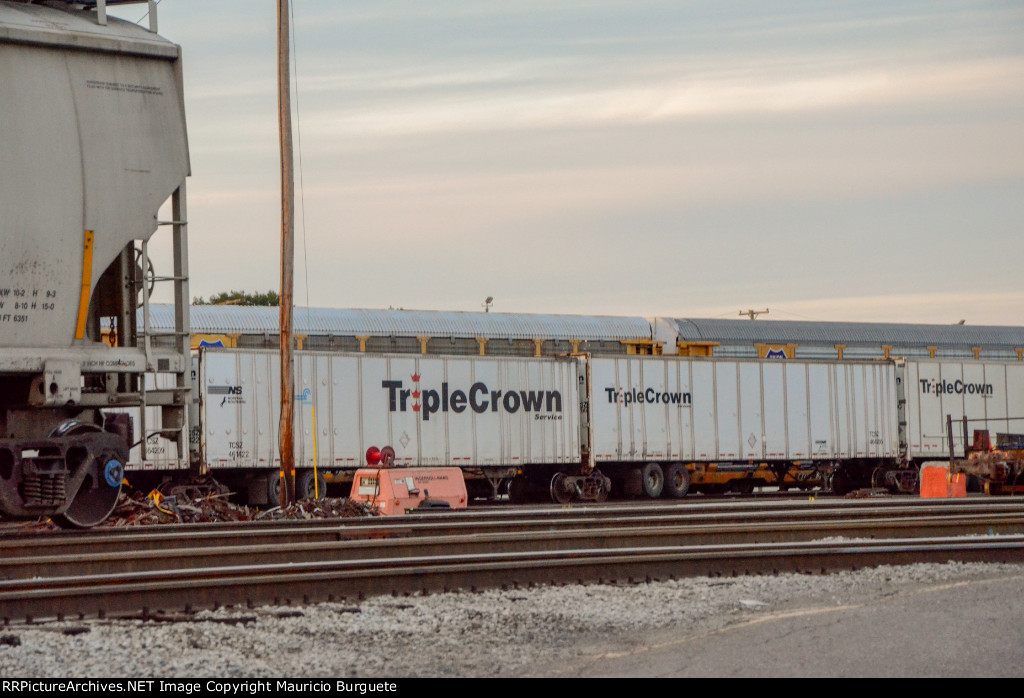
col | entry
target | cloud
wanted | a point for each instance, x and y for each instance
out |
(735, 152)
(520, 97)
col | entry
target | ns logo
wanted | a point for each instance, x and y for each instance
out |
(232, 391)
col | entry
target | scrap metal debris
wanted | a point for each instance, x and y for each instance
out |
(868, 493)
(204, 500)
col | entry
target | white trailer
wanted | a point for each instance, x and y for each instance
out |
(990, 395)
(493, 415)
(667, 413)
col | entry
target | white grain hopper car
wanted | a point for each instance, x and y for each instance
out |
(92, 143)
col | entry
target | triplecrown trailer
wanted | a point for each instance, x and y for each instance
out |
(489, 415)
(743, 420)
(989, 394)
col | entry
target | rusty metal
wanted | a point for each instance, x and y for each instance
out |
(1000, 471)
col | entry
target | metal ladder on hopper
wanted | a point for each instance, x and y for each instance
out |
(177, 396)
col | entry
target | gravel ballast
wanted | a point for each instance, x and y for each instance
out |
(547, 631)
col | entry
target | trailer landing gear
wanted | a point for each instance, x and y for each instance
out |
(580, 488)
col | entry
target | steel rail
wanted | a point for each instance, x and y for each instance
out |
(604, 510)
(156, 592)
(568, 535)
(290, 532)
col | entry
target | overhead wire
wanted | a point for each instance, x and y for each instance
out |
(802, 317)
(302, 217)
(298, 142)
(146, 14)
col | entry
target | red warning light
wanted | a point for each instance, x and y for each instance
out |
(373, 455)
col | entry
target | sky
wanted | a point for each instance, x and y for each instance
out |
(859, 161)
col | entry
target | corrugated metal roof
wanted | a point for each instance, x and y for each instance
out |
(848, 333)
(238, 319)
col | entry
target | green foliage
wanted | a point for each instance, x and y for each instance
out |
(240, 298)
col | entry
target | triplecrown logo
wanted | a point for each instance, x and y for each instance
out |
(479, 398)
(650, 396)
(957, 387)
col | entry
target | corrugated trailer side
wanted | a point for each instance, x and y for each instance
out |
(989, 393)
(739, 412)
(149, 449)
(490, 414)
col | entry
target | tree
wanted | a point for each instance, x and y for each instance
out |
(270, 298)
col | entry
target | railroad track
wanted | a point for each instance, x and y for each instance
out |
(715, 522)
(151, 571)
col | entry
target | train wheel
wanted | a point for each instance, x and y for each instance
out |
(561, 489)
(677, 480)
(97, 497)
(518, 488)
(309, 487)
(878, 478)
(652, 480)
(840, 483)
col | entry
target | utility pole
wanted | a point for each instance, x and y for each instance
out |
(752, 314)
(284, 124)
